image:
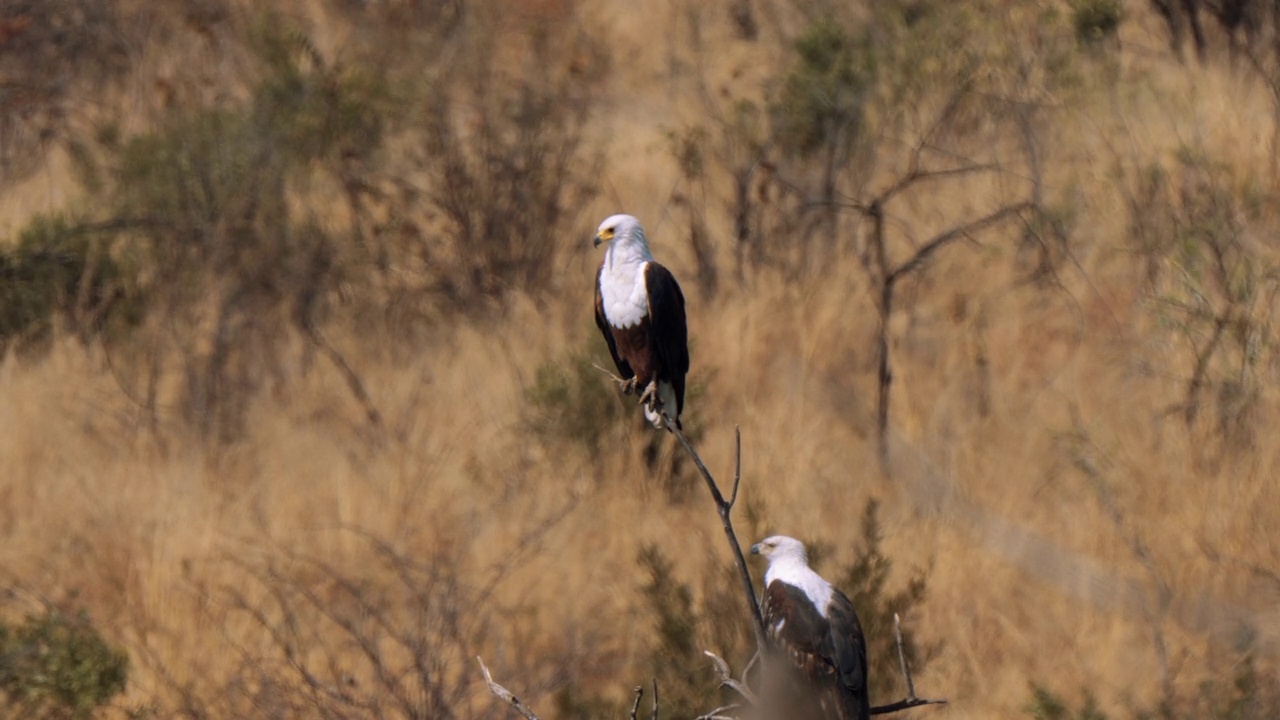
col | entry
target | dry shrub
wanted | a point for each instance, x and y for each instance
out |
(57, 55)
(505, 154)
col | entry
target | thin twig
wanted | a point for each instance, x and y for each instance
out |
(505, 694)
(956, 233)
(902, 657)
(716, 714)
(639, 691)
(746, 671)
(737, 465)
(910, 700)
(724, 508)
(904, 705)
(654, 715)
(726, 678)
(622, 384)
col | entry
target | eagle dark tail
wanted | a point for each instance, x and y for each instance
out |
(668, 408)
(852, 706)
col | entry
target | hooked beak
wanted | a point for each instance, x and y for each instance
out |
(595, 241)
(755, 549)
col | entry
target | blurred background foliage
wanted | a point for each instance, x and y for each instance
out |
(259, 203)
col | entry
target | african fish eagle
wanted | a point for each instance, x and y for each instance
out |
(816, 630)
(640, 311)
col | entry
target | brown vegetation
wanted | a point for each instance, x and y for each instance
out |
(297, 400)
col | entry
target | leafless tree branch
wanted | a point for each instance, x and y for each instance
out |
(910, 700)
(505, 694)
(718, 713)
(902, 655)
(724, 507)
(956, 233)
(727, 679)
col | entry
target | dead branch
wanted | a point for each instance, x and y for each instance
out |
(724, 507)
(727, 680)
(956, 233)
(626, 386)
(506, 696)
(348, 373)
(910, 700)
(635, 706)
(902, 655)
(717, 714)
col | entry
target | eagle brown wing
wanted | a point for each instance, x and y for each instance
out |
(827, 652)
(849, 651)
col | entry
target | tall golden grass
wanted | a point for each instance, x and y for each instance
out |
(1065, 528)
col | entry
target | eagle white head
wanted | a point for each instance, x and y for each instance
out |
(780, 548)
(625, 235)
(789, 563)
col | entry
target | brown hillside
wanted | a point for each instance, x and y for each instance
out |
(332, 431)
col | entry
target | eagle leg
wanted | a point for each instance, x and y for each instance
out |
(650, 396)
(628, 386)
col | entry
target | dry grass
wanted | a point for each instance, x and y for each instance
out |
(1031, 579)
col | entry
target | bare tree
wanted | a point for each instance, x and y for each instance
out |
(764, 651)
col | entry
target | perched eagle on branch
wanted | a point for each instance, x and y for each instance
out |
(813, 626)
(640, 311)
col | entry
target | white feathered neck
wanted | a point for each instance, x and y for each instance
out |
(629, 248)
(790, 564)
(622, 286)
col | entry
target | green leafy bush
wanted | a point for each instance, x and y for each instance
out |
(1245, 693)
(58, 666)
(823, 96)
(571, 401)
(59, 271)
(1096, 20)
(866, 580)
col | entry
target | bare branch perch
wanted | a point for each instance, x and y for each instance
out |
(910, 700)
(626, 386)
(956, 233)
(902, 655)
(724, 507)
(505, 694)
(726, 678)
(639, 691)
(717, 714)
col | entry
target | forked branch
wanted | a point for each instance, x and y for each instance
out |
(910, 700)
(512, 700)
(727, 679)
(724, 508)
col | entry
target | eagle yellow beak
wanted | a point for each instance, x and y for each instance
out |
(595, 242)
(604, 235)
